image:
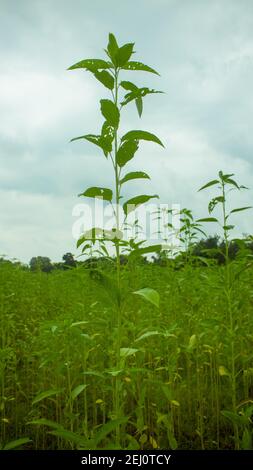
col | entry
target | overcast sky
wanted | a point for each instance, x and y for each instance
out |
(204, 52)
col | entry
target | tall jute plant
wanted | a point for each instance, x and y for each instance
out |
(119, 150)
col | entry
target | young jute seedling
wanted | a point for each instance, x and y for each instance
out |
(119, 151)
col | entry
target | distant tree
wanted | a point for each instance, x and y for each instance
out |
(209, 248)
(41, 263)
(214, 248)
(69, 260)
(161, 258)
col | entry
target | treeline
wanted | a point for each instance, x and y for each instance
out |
(210, 250)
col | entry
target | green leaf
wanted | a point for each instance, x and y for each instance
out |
(97, 233)
(241, 209)
(123, 54)
(17, 443)
(45, 422)
(77, 390)
(134, 175)
(85, 247)
(78, 323)
(107, 133)
(192, 343)
(112, 48)
(223, 177)
(231, 182)
(92, 235)
(223, 371)
(139, 105)
(114, 372)
(128, 86)
(171, 438)
(93, 373)
(138, 66)
(126, 152)
(211, 183)
(208, 219)
(145, 250)
(235, 418)
(94, 139)
(69, 436)
(105, 78)
(213, 203)
(147, 335)
(150, 295)
(109, 284)
(141, 135)
(91, 65)
(228, 227)
(136, 201)
(100, 141)
(126, 352)
(103, 193)
(110, 112)
(47, 394)
(246, 440)
(107, 428)
(137, 93)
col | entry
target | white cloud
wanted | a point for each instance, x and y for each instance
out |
(34, 103)
(33, 224)
(205, 55)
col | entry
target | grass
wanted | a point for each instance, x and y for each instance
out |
(57, 360)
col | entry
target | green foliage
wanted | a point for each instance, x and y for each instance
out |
(110, 112)
(141, 135)
(59, 334)
(103, 193)
(150, 295)
(134, 175)
(126, 152)
(138, 66)
(121, 151)
(136, 201)
(17, 443)
(41, 263)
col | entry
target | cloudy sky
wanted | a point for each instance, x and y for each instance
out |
(204, 52)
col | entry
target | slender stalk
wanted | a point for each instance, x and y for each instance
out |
(230, 314)
(117, 248)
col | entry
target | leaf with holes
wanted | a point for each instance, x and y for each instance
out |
(134, 66)
(126, 152)
(103, 193)
(141, 135)
(91, 65)
(100, 141)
